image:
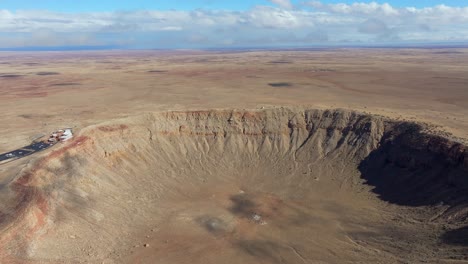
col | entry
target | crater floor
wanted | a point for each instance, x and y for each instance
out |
(229, 186)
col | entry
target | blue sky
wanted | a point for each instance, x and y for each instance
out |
(113, 5)
(142, 24)
(109, 5)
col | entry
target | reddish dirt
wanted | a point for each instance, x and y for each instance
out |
(17, 230)
(113, 128)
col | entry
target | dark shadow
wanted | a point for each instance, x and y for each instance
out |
(280, 84)
(31, 116)
(212, 224)
(26, 116)
(11, 75)
(447, 52)
(242, 205)
(280, 62)
(65, 84)
(157, 71)
(47, 73)
(68, 173)
(415, 169)
(456, 237)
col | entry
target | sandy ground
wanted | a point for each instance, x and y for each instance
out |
(179, 196)
(42, 91)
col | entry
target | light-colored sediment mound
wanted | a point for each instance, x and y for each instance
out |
(263, 186)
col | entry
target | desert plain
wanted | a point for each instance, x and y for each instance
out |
(249, 156)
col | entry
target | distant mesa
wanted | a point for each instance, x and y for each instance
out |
(280, 84)
(157, 71)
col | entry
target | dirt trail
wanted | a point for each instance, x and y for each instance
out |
(223, 186)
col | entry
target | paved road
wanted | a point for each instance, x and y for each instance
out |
(24, 151)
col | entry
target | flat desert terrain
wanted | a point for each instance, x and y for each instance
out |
(40, 91)
(288, 156)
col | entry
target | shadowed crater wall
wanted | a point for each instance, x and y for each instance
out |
(412, 168)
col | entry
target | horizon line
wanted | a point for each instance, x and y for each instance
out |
(266, 47)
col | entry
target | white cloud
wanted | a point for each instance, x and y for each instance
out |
(373, 26)
(315, 22)
(356, 8)
(267, 17)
